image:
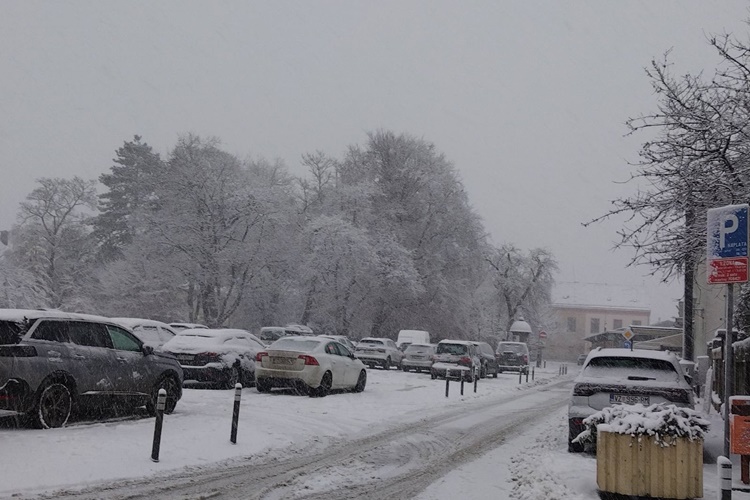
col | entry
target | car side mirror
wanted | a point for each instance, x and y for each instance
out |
(689, 379)
(147, 350)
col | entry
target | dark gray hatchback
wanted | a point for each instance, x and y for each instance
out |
(53, 362)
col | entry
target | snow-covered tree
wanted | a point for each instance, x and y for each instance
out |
(52, 241)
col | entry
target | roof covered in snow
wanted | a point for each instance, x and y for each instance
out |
(599, 295)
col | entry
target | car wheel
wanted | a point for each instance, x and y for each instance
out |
(483, 372)
(172, 386)
(406, 368)
(53, 406)
(262, 385)
(361, 382)
(233, 378)
(494, 375)
(324, 388)
(387, 364)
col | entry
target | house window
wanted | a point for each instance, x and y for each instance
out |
(571, 324)
(616, 323)
(636, 322)
(594, 325)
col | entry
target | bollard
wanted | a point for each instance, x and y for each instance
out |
(520, 373)
(545, 363)
(462, 385)
(476, 381)
(236, 412)
(527, 375)
(559, 370)
(725, 477)
(532, 373)
(161, 403)
(447, 383)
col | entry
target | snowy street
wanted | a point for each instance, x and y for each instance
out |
(401, 438)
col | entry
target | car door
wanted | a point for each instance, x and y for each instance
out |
(336, 364)
(131, 366)
(54, 352)
(351, 365)
(396, 354)
(92, 353)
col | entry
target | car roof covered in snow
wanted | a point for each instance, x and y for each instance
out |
(135, 322)
(635, 353)
(218, 333)
(462, 342)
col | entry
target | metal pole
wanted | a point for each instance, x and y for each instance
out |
(725, 477)
(520, 372)
(532, 373)
(462, 385)
(527, 374)
(476, 381)
(728, 365)
(161, 403)
(236, 412)
(447, 383)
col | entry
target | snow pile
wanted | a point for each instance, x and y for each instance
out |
(664, 422)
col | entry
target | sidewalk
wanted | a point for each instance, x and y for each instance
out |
(713, 447)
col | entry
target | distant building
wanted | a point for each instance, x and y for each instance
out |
(584, 309)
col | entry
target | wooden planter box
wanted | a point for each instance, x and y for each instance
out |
(637, 465)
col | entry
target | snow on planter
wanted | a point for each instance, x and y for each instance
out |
(664, 422)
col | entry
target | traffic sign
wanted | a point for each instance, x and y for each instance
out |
(542, 334)
(727, 244)
(627, 344)
(628, 334)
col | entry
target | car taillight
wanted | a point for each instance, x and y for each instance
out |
(259, 357)
(309, 360)
(526, 359)
(17, 351)
(465, 361)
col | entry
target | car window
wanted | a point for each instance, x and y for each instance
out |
(286, 344)
(165, 334)
(10, 332)
(343, 350)
(456, 349)
(514, 348)
(331, 349)
(147, 333)
(371, 341)
(88, 334)
(54, 331)
(631, 363)
(123, 340)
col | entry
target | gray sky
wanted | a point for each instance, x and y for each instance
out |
(528, 99)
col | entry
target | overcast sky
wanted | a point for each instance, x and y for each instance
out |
(528, 99)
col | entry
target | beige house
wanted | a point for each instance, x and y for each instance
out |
(581, 310)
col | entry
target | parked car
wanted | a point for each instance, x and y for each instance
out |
(178, 327)
(150, 332)
(379, 351)
(343, 339)
(622, 376)
(512, 357)
(314, 365)
(488, 360)
(456, 359)
(270, 334)
(52, 363)
(418, 357)
(581, 359)
(220, 357)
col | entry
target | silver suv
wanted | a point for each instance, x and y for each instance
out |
(52, 363)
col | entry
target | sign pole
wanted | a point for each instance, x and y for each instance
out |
(728, 364)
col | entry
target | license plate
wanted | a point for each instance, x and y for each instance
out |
(282, 361)
(628, 399)
(185, 357)
(417, 357)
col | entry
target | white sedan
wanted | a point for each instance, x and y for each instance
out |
(314, 365)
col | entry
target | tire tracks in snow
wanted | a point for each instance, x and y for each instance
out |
(396, 463)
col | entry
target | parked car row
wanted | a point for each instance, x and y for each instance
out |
(54, 363)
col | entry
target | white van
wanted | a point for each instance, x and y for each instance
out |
(406, 337)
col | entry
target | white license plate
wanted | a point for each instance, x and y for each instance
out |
(282, 361)
(184, 357)
(628, 399)
(417, 357)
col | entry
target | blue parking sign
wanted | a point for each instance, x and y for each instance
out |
(727, 232)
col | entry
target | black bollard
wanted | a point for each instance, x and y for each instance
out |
(527, 375)
(447, 383)
(476, 381)
(545, 363)
(161, 403)
(462, 385)
(236, 412)
(520, 373)
(725, 477)
(532, 373)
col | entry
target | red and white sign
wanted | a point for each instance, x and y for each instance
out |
(542, 335)
(728, 270)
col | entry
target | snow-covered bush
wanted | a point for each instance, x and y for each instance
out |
(664, 422)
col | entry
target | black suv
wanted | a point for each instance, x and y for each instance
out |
(52, 363)
(513, 357)
(489, 362)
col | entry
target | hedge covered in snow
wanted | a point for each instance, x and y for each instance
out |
(664, 422)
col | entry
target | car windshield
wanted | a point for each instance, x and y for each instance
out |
(147, 333)
(514, 348)
(10, 332)
(456, 349)
(371, 341)
(294, 345)
(417, 348)
(194, 340)
(631, 368)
